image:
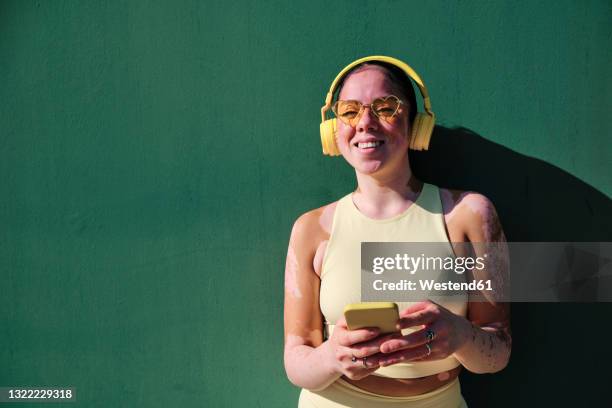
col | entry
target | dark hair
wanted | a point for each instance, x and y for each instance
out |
(397, 76)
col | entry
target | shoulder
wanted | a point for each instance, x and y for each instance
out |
(314, 225)
(472, 213)
(467, 203)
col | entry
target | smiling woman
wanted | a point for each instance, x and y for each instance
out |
(417, 366)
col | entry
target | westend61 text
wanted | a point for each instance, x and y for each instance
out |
(430, 284)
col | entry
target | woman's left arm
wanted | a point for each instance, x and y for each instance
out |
(482, 341)
(487, 346)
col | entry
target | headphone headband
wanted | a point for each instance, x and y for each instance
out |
(390, 60)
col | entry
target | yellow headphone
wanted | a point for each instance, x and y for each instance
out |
(421, 127)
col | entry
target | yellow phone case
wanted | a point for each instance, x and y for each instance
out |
(383, 315)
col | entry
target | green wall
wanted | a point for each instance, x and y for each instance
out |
(154, 155)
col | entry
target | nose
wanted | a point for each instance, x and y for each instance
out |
(367, 121)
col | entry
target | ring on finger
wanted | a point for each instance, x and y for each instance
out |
(430, 335)
(428, 349)
(353, 359)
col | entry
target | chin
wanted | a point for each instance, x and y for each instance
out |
(371, 167)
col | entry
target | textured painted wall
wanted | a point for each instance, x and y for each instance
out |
(155, 154)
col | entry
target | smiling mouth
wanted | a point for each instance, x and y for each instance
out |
(369, 145)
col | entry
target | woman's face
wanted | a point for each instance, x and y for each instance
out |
(390, 154)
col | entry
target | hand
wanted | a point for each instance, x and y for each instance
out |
(450, 333)
(348, 345)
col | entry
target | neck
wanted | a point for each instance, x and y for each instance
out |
(387, 192)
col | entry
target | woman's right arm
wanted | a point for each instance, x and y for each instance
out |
(310, 362)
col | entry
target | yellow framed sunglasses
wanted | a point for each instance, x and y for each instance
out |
(350, 111)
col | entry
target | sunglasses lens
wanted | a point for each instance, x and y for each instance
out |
(348, 111)
(385, 107)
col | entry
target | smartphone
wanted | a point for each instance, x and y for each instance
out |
(383, 315)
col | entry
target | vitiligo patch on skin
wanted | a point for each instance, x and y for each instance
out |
(491, 227)
(457, 199)
(293, 340)
(327, 216)
(291, 356)
(477, 206)
(291, 271)
(325, 222)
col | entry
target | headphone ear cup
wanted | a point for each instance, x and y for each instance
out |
(422, 128)
(328, 137)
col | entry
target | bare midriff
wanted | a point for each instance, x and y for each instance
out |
(404, 387)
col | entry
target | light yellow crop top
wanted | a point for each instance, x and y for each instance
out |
(423, 221)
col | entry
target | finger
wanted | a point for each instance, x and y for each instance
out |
(368, 348)
(417, 353)
(418, 306)
(351, 337)
(375, 359)
(412, 340)
(422, 317)
(377, 341)
(357, 373)
(341, 322)
(369, 363)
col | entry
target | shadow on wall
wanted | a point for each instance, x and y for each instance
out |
(554, 358)
(536, 201)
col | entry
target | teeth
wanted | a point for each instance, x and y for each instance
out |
(369, 144)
